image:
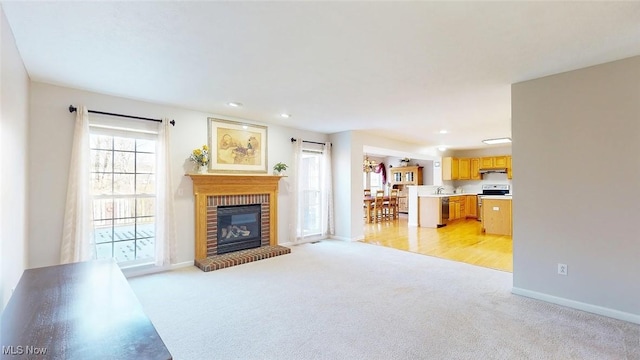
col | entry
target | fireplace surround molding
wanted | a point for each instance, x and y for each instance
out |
(208, 185)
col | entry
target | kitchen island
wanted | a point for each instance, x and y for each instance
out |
(496, 215)
(432, 213)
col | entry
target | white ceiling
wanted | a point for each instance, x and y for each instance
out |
(401, 69)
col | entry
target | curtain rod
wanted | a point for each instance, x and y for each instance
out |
(73, 109)
(310, 142)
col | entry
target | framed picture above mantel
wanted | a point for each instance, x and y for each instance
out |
(237, 147)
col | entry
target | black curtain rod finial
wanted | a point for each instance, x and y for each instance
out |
(72, 109)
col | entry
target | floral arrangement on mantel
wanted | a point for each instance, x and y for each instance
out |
(200, 157)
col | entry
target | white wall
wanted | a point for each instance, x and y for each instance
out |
(488, 151)
(14, 111)
(51, 136)
(346, 182)
(576, 148)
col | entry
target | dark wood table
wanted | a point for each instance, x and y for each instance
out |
(83, 310)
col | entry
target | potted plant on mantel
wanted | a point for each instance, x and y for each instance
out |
(279, 169)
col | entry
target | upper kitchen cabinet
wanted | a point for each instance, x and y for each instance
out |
(469, 168)
(475, 169)
(464, 169)
(450, 168)
(493, 162)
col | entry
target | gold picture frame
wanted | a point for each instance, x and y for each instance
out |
(237, 147)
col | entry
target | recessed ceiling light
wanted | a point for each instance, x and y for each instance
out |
(497, 141)
(235, 104)
(245, 127)
(442, 148)
(443, 131)
(286, 116)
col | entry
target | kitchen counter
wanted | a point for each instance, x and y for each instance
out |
(443, 195)
(496, 197)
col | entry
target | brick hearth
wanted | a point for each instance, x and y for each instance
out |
(218, 262)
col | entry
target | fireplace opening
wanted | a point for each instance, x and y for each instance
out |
(238, 228)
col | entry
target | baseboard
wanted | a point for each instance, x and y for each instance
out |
(152, 269)
(595, 309)
(305, 241)
(342, 238)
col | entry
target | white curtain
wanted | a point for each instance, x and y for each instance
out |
(165, 219)
(295, 230)
(327, 192)
(77, 232)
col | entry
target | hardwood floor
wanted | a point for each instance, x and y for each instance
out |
(461, 240)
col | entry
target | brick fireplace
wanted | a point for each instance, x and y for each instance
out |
(212, 191)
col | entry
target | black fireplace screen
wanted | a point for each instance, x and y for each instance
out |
(238, 228)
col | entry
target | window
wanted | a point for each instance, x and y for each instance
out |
(123, 178)
(372, 181)
(376, 182)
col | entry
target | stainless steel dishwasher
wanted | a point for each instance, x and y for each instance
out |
(444, 212)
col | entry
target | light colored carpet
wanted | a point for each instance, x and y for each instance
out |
(340, 300)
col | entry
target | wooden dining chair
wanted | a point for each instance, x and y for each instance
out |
(367, 210)
(378, 206)
(391, 206)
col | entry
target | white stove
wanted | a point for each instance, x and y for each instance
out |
(495, 189)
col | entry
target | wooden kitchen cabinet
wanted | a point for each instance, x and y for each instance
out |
(471, 209)
(469, 168)
(401, 177)
(450, 168)
(454, 210)
(475, 169)
(500, 161)
(457, 207)
(406, 175)
(464, 169)
(493, 162)
(486, 162)
(496, 216)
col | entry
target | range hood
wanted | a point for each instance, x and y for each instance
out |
(493, 170)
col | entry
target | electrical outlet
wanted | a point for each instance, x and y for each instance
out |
(563, 269)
